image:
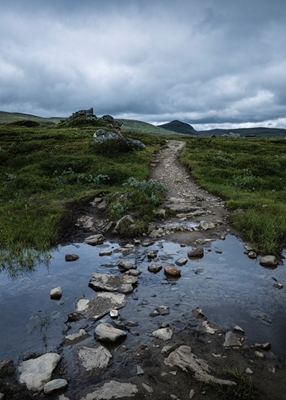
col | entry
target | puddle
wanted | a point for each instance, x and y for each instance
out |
(225, 283)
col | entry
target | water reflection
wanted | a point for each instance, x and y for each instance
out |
(225, 283)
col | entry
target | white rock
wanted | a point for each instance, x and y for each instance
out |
(107, 333)
(35, 373)
(94, 358)
(112, 390)
(56, 293)
(76, 337)
(163, 333)
(192, 393)
(55, 384)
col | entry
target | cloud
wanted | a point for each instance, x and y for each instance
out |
(205, 63)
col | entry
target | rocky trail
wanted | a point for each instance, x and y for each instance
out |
(138, 337)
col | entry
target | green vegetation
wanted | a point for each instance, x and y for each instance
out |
(42, 170)
(244, 388)
(250, 175)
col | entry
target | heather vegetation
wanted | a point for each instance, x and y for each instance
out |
(250, 174)
(45, 169)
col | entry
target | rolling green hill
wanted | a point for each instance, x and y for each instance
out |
(7, 118)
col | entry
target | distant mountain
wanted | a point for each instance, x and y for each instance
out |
(180, 127)
(7, 118)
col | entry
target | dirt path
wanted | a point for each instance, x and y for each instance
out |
(189, 201)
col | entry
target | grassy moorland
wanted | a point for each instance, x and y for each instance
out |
(250, 175)
(43, 169)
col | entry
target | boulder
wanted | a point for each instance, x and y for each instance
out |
(94, 358)
(196, 253)
(36, 372)
(94, 239)
(56, 293)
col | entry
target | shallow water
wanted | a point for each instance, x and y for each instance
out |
(225, 283)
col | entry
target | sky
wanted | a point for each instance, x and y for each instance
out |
(209, 63)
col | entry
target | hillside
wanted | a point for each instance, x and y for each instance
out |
(144, 127)
(7, 118)
(180, 127)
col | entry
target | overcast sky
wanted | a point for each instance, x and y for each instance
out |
(209, 63)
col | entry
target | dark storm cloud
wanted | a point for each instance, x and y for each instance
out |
(210, 62)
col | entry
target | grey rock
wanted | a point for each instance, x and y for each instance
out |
(35, 373)
(172, 271)
(125, 264)
(71, 257)
(181, 261)
(55, 384)
(204, 225)
(107, 333)
(231, 340)
(76, 337)
(94, 358)
(113, 390)
(113, 283)
(56, 293)
(198, 252)
(101, 305)
(163, 333)
(269, 261)
(148, 388)
(139, 370)
(126, 220)
(154, 268)
(105, 253)
(94, 239)
(183, 358)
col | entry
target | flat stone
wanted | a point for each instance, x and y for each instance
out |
(269, 261)
(113, 283)
(54, 385)
(76, 337)
(107, 333)
(183, 358)
(113, 390)
(101, 305)
(172, 271)
(56, 293)
(94, 239)
(35, 373)
(71, 257)
(163, 333)
(94, 358)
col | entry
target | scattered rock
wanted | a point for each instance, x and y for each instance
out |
(249, 371)
(93, 240)
(154, 268)
(163, 333)
(123, 264)
(147, 387)
(101, 305)
(204, 225)
(105, 253)
(172, 271)
(181, 261)
(231, 340)
(183, 358)
(269, 261)
(113, 283)
(54, 385)
(76, 337)
(71, 257)
(35, 373)
(94, 358)
(139, 370)
(278, 285)
(262, 346)
(107, 333)
(252, 254)
(56, 293)
(113, 390)
(198, 252)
